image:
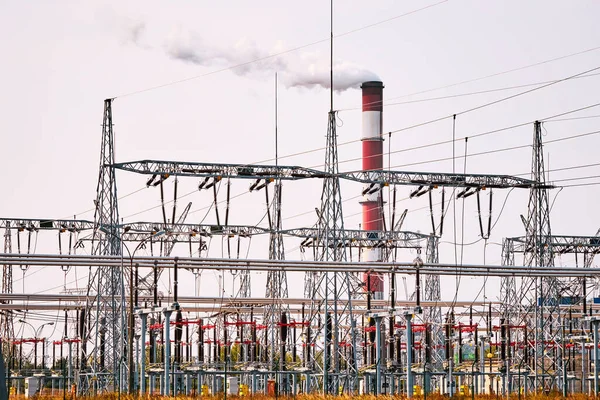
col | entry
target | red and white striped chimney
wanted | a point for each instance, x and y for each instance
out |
(372, 153)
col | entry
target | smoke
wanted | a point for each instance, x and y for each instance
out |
(307, 70)
(129, 30)
(192, 49)
(135, 32)
(346, 75)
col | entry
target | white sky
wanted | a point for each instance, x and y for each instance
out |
(62, 59)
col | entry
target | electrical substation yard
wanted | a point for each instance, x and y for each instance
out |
(175, 306)
(347, 335)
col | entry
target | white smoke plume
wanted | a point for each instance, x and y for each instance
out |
(346, 75)
(308, 71)
(192, 49)
(130, 31)
(135, 31)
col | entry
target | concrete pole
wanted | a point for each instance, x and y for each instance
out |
(378, 363)
(167, 352)
(326, 354)
(482, 358)
(70, 372)
(583, 370)
(409, 360)
(142, 355)
(595, 323)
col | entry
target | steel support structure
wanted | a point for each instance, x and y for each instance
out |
(338, 324)
(272, 172)
(277, 313)
(6, 317)
(433, 315)
(573, 291)
(105, 344)
(536, 301)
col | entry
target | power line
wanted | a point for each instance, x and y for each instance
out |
(575, 118)
(393, 152)
(498, 150)
(436, 143)
(582, 184)
(94, 208)
(422, 162)
(564, 168)
(501, 73)
(504, 88)
(576, 179)
(493, 102)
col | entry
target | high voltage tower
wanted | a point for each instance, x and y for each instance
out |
(103, 325)
(338, 323)
(344, 335)
(6, 319)
(533, 310)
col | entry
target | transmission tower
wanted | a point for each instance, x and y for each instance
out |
(546, 291)
(106, 331)
(333, 290)
(433, 315)
(277, 288)
(6, 318)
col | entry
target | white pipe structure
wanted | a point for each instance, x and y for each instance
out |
(299, 266)
(256, 301)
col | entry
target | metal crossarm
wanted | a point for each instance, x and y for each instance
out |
(46, 224)
(165, 169)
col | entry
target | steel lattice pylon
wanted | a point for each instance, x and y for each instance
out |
(536, 301)
(571, 289)
(547, 293)
(277, 287)
(105, 343)
(6, 318)
(339, 325)
(433, 315)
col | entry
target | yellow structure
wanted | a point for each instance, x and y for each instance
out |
(417, 390)
(244, 390)
(204, 390)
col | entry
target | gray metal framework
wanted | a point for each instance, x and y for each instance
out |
(106, 333)
(433, 314)
(71, 225)
(116, 262)
(331, 288)
(272, 172)
(277, 286)
(6, 317)
(588, 246)
(139, 231)
(546, 290)
(572, 291)
(536, 301)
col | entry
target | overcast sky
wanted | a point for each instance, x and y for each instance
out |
(62, 59)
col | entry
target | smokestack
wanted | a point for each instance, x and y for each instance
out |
(372, 153)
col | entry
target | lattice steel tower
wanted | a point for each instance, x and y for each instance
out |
(6, 318)
(546, 291)
(106, 333)
(334, 290)
(277, 287)
(433, 315)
